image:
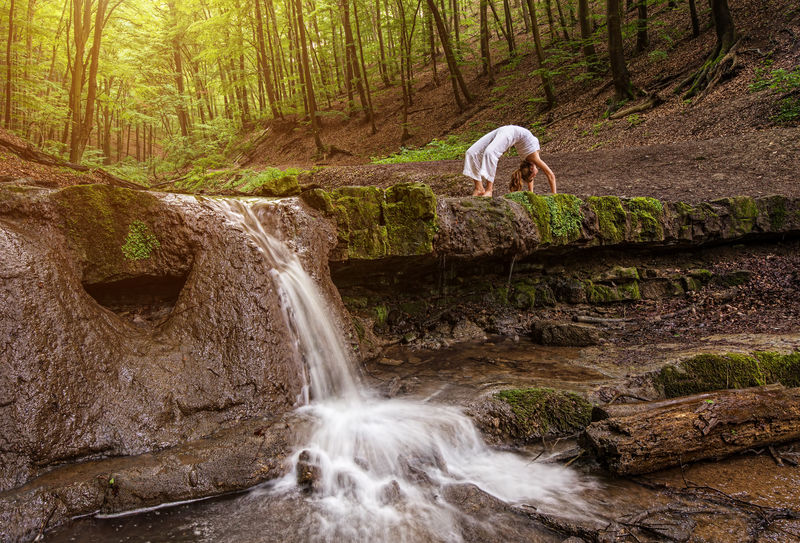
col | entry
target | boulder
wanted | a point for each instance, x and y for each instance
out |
(563, 334)
(131, 322)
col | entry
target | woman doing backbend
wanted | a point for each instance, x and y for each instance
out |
(480, 162)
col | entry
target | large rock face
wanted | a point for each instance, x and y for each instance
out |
(182, 331)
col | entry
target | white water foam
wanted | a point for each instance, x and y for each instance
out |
(384, 464)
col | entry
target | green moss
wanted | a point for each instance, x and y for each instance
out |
(776, 210)
(611, 218)
(565, 217)
(745, 211)
(409, 211)
(646, 215)
(140, 242)
(373, 223)
(629, 291)
(702, 275)
(716, 372)
(541, 411)
(618, 274)
(599, 294)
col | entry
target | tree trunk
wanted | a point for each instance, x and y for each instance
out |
(547, 84)
(456, 78)
(722, 60)
(378, 26)
(8, 64)
(695, 19)
(642, 40)
(640, 438)
(512, 45)
(352, 57)
(548, 5)
(623, 90)
(312, 104)
(486, 55)
(587, 37)
(562, 20)
(264, 66)
(370, 112)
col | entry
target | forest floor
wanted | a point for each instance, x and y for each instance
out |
(729, 131)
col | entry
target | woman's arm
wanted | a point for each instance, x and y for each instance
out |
(551, 177)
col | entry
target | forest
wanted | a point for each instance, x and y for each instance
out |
(151, 86)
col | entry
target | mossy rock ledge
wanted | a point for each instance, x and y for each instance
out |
(374, 223)
(407, 220)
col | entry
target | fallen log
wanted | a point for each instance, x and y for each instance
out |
(32, 154)
(643, 437)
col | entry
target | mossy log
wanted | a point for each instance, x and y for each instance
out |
(644, 437)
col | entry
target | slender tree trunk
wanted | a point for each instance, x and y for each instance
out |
(486, 54)
(695, 19)
(547, 84)
(8, 64)
(512, 45)
(642, 40)
(455, 73)
(587, 37)
(619, 70)
(526, 17)
(370, 112)
(548, 5)
(312, 104)
(456, 25)
(432, 43)
(378, 26)
(562, 20)
(264, 67)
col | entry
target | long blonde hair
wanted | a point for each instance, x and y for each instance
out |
(523, 173)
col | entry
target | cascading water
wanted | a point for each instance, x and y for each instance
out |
(383, 466)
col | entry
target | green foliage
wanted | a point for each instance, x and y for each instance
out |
(541, 411)
(657, 56)
(140, 242)
(784, 83)
(450, 148)
(634, 119)
(716, 372)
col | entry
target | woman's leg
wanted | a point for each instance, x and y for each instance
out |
(473, 159)
(491, 155)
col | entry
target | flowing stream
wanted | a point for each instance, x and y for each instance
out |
(381, 468)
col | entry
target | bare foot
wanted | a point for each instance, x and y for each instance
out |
(487, 193)
(478, 192)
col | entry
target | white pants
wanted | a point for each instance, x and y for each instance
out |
(481, 159)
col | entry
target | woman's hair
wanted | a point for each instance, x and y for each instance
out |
(523, 173)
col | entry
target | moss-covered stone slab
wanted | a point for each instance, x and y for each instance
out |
(707, 372)
(537, 412)
(374, 223)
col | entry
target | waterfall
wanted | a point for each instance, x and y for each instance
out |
(383, 466)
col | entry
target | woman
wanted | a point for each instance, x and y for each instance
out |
(481, 160)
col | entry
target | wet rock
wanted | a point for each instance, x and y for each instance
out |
(232, 459)
(389, 361)
(391, 494)
(309, 473)
(562, 334)
(521, 415)
(734, 278)
(467, 330)
(79, 381)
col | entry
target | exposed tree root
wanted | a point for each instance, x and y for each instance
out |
(721, 65)
(34, 155)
